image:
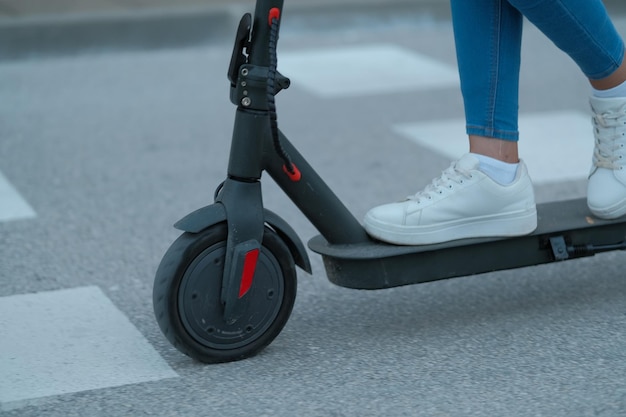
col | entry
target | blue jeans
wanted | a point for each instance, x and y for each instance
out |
(488, 35)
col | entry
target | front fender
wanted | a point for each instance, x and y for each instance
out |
(208, 216)
(202, 218)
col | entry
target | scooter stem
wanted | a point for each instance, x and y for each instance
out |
(253, 150)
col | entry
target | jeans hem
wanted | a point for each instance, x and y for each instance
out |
(614, 67)
(510, 135)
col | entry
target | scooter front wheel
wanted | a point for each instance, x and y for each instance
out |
(187, 297)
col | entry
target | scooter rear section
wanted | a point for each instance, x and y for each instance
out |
(566, 230)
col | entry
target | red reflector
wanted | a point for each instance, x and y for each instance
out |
(249, 266)
(295, 175)
(274, 14)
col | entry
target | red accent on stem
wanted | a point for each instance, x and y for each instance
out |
(274, 14)
(249, 266)
(294, 176)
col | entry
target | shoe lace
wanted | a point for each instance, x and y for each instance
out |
(449, 177)
(610, 136)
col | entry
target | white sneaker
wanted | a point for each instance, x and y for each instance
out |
(462, 203)
(606, 190)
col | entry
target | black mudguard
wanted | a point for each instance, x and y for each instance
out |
(208, 216)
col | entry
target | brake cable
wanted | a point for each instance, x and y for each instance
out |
(274, 21)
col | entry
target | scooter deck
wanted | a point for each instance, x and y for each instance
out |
(566, 230)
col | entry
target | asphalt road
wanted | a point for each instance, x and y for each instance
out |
(103, 151)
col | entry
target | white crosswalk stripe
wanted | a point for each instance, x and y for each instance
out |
(365, 69)
(68, 341)
(556, 146)
(12, 205)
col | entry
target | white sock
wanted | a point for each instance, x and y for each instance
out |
(499, 171)
(615, 92)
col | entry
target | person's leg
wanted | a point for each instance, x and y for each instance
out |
(489, 81)
(583, 29)
(488, 44)
(613, 80)
(480, 194)
(501, 149)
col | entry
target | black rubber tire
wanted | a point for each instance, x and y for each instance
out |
(186, 297)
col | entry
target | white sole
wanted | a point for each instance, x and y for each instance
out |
(609, 213)
(500, 225)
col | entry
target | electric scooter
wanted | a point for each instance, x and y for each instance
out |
(226, 287)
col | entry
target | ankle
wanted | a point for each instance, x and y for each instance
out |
(618, 91)
(500, 149)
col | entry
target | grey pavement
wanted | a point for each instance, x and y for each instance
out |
(25, 8)
(36, 28)
(111, 146)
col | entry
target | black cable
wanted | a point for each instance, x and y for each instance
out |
(271, 100)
